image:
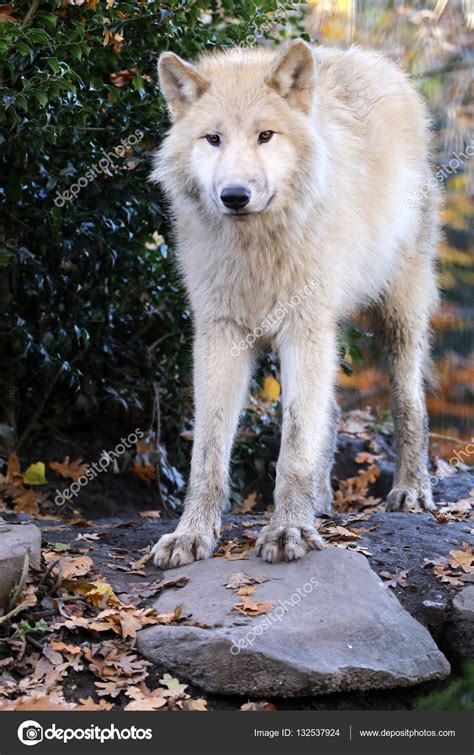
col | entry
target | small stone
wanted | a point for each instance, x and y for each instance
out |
(463, 603)
(15, 541)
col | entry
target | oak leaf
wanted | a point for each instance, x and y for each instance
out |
(462, 559)
(70, 470)
(250, 607)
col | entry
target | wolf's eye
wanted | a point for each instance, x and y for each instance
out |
(264, 136)
(213, 139)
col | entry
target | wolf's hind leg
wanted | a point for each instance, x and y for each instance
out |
(402, 322)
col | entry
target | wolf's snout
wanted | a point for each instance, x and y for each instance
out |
(235, 197)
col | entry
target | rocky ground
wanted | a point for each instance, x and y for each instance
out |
(95, 625)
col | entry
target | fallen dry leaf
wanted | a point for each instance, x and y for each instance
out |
(364, 457)
(13, 476)
(246, 590)
(353, 491)
(70, 470)
(441, 517)
(6, 15)
(262, 705)
(121, 79)
(240, 579)
(125, 621)
(27, 502)
(42, 702)
(150, 514)
(144, 698)
(250, 607)
(336, 532)
(458, 510)
(249, 503)
(99, 593)
(89, 537)
(174, 687)
(141, 562)
(74, 566)
(116, 40)
(145, 472)
(65, 648)
(446, 576)
(168, 618)
(395, 580)
(199, 704)
(234, 550)
(89, 704)
(462, 559)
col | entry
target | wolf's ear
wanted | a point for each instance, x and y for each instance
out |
(180, 83)
(293, 74)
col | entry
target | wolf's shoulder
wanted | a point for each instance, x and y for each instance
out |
(359, 65)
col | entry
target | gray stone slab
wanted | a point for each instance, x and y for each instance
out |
(333, 627)
(15, 540)
(463, 603)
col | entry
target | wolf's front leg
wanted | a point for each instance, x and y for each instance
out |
(308, 365)
(221, 373)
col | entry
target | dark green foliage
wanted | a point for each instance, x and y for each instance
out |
(459, 695)
(92, 315)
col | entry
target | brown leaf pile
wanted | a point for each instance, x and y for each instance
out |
(456, 569)
(352, 494)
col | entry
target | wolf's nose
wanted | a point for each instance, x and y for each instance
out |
(235, 197)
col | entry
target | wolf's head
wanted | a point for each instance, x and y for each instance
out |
(242, 135)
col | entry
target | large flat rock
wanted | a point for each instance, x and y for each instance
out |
(333, 627)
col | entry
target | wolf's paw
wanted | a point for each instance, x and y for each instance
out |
(410, 498)
(181, 548)
(285, 542)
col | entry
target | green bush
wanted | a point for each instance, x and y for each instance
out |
(93, 321)
(459, 695)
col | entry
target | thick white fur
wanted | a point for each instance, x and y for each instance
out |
(331, 202)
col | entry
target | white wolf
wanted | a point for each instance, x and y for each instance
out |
(287, 168)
